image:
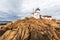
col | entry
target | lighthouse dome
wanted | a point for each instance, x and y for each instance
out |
(37, 10)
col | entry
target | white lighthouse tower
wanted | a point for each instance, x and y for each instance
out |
(36, 13)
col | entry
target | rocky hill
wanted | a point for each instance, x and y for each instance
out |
(31, 29)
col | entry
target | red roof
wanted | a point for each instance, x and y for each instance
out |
(48, 16)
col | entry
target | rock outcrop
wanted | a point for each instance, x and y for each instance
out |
(30, 29)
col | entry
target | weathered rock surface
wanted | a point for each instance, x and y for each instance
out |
(30, 29)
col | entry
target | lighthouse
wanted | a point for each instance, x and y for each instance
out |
(36, 13)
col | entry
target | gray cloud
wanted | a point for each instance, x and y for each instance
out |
(14, 9)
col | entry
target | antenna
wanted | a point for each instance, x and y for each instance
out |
(33, 9)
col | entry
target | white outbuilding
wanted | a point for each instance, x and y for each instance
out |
(47, 17)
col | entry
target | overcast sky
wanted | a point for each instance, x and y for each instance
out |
(15, 9)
